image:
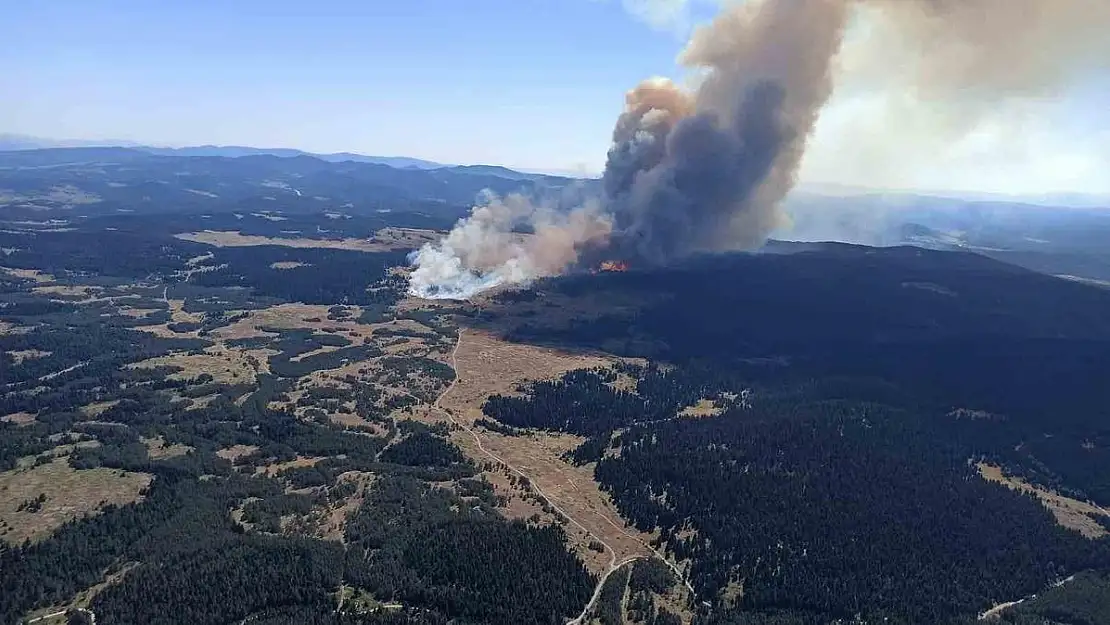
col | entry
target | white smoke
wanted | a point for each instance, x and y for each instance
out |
(706, 169)
(484, 250)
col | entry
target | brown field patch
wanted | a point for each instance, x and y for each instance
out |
(19, 418)
(158, 449)
(137, 313)
(95, 409)
(293, 317)
(271, 470)
(66, 290)
(29, 274)
(235, 452)
(19, 356)
(488, 365)
(349, 419)
(332, 523)
(70, 494)
(288, 264)
(387, 239)
(704, 408)
(1070, 513)
(226, 365)
(179, 315)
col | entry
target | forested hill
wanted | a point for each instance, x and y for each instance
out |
(96, 181)
(849, 399)
(955, 327)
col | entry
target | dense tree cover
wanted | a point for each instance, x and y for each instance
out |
(650, 577)
(419, 544)
(117, 253)
(303, 188)
(95, 350)
(936, 329)
(423, 449)
(224, 580)
(599, 406)
(327, 276)
(608, 609)
(76, 555)
(823, 503)
(1084, 600)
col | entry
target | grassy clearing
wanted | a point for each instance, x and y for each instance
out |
(235, 452)
(1070, 513)
(158, 449)
(384, 240)
(96, 409)
(225, 364)
(488, 365)
(29, 274)
(69, 494)
(19, 418)
(288, 264)
(704, 408)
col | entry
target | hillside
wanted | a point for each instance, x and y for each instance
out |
(814, 429)
(220, 405)
(105, 180)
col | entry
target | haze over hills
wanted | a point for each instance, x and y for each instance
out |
(25, 142)
(224, 350)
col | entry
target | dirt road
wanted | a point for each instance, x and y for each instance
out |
(614, 565)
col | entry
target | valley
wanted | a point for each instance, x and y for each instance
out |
(238, 414)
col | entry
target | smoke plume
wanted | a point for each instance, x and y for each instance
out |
(483, 250)
(706, 169)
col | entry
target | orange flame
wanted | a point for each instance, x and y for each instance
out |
(613, 265)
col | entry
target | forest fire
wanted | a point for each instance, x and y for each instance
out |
(613, 265)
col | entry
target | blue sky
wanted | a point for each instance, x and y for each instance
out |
(526, 83)
(532, 83)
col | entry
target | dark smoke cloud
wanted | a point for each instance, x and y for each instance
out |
(707, 169)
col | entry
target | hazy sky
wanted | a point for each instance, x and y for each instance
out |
(526, 83)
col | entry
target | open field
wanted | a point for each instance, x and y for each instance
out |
(227, 365)
(69, 494)
(488, 365)
(1070, 513)
(385, 240)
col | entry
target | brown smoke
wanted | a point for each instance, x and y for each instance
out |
(922, 82)
(706, 170)
(987, 49)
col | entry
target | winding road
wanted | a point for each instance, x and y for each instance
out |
(614, 564)
(92, 617)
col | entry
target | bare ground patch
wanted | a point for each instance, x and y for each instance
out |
(235, 452)
(384, 240)
(225, 365)
(66, 290)
(69, 494)
(271, 470)
(94, 410)
(19, 356)
(292, 317)
(158, 449)
(1070, 513)
(489, 365)
(19, 418)
(704, 408)
(29, 274)
(288, 264)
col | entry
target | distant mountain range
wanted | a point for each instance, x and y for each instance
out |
(11, 142)
(899, 197)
